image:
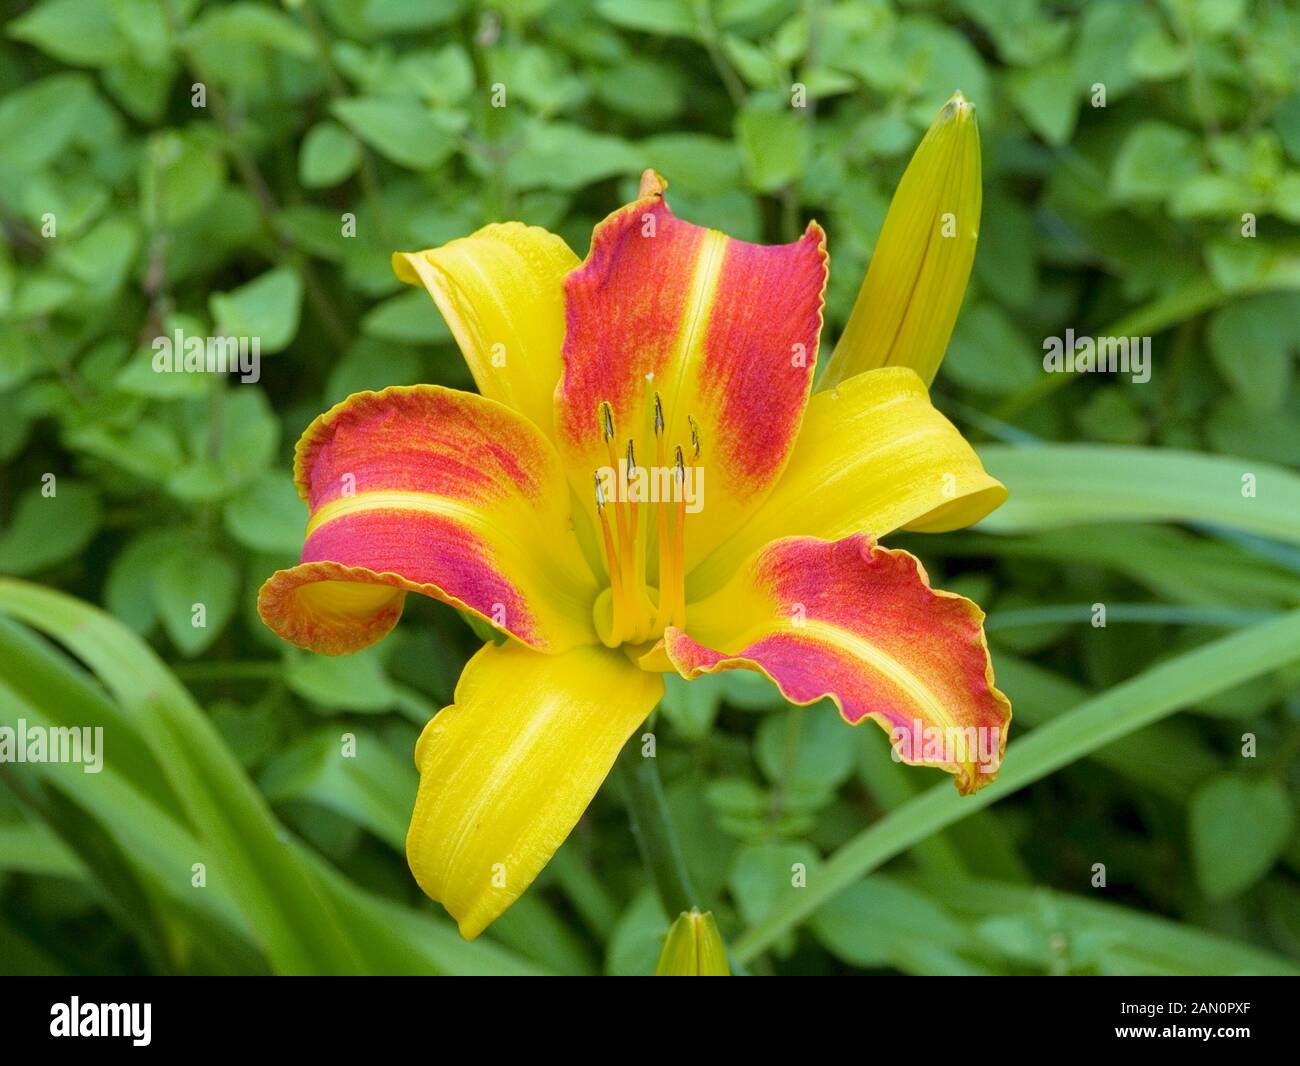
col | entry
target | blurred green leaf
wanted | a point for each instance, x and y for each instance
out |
(1059, 932)
(805, 750)
(39, 120)
(401, 130)
(765, 874)
(1048, 98)
(1239, 826)
(248, 24)
(47, 529)
(882, 922)
(194, 594)
(83, 32)
(354, 682)
(267, 516)
(410, 318)
(266, 308)
(775, 147)
(352, 772)
(562, 156)
(1252, 341)
(180, 175)
(329, 155)
(1155, 159)
(669, 18)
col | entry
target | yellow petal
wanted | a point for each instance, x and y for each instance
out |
(508, 769)
(913, 290)
(693, 948)
(501, 292)
(874, 455)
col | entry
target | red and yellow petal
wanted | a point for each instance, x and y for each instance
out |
(859, 623)
(874, 455)
(508, 769)
(501, 291)
(430, 490)
(726, 332)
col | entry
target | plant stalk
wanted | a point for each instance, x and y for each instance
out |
(653, 829)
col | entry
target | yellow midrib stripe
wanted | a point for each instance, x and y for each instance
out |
(704, 286)
(394, 500)
(890, 667)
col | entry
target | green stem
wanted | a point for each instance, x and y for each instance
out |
(653, 829)
(708, 36)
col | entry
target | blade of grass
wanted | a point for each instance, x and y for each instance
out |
(1160, 758)
(30, 848)
(1102, 720)
(146, 828)
(1145, 613)
(288, 885)
(1176, 565)
(242, 842)
(1058, 485)
(397, 940)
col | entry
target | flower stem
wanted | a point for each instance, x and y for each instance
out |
(653, 829)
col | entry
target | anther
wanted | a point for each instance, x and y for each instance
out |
(659, 416)
(695, 434)
(600, 491)
(631, 456)
(607, 420)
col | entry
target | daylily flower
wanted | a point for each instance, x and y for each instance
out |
(553, 506)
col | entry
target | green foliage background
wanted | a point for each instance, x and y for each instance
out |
(223, 743)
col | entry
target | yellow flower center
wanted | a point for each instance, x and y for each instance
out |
(629, 498)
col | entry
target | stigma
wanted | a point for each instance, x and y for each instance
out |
(642, 512)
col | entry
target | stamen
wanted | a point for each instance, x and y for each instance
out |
(634, 562)
(611, 556)
(665, 566)
(677, 589)
(634, 617)
(625, 534)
